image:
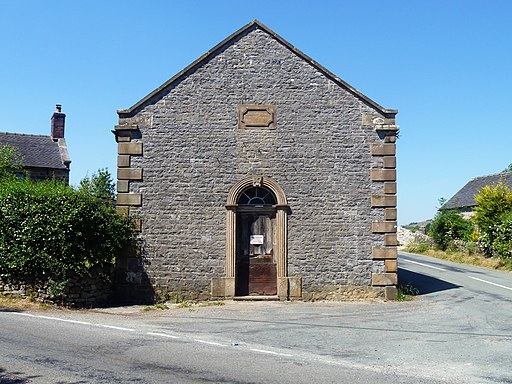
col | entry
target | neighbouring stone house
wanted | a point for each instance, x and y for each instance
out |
(464, 200)
(44, 157)
(257, 172)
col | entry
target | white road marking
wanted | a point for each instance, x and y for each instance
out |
(210, 343)
(425, 265)
(163, 335)
(22, 314)
(489, 282)
(114, 327)
(53, 318)
(337, 362)
(270, 352)
(74, 321)
(64, 320)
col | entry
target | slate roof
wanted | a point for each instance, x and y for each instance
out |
(160, 91)
(465, 198)
(38, 151)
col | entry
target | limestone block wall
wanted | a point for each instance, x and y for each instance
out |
(331, 152)
(91, 290)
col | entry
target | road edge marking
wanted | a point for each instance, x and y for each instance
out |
(425, 265)
(163, 335)
(270, 352)
(490, 282)
(210, 343)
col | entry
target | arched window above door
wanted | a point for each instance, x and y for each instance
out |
(256, 196)
(256, 181)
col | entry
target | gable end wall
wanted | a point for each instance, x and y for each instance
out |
(332, 154)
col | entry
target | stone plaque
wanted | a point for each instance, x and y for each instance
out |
(257, 116)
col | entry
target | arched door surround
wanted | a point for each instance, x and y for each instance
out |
(254, 199)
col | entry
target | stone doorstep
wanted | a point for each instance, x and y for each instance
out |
(256, 298)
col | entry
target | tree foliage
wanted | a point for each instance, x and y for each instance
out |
(493, 216)
(493, 203)
(502, 242)
(100, 185)
(51, 230)
(447, 227)
(10, 161)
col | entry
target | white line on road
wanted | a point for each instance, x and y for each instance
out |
(74, 321)
(21, 314)
(210, 342)
(489, 282)
(425, 265)
(114, 327)
(65, 320)
(163, 335)
(53, 318)
(270, 352)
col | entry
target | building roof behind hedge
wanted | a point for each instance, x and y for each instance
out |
(38, 151)
(465, 198)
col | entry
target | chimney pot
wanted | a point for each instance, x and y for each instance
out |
(57, 126)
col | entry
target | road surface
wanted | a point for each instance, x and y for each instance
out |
(457, 331)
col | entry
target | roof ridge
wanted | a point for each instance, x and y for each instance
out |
(492, 174)
(225, 42)
(24, 134)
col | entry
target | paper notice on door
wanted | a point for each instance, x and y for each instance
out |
(256, 239)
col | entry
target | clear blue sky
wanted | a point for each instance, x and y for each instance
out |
(445, 65)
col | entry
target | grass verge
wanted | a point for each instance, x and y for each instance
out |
(17, 304)
(463, 257)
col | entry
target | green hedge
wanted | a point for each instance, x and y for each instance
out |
(447, 227)
(49, 230)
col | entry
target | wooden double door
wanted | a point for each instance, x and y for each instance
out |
(256, 272)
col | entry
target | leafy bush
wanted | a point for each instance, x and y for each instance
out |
(48, 230)
(501, 245)
(447, 227)
(493, 203)
(493, 216)
(10, 161)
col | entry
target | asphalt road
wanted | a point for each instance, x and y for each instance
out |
(457, 331)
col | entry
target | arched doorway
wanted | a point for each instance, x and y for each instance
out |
(256, 271)
(256, 239)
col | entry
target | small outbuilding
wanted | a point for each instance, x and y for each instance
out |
(257, 173)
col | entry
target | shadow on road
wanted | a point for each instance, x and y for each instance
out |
(12, 378)
(424, 284)
(20, 378)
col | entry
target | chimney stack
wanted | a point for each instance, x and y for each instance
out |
(58, 119)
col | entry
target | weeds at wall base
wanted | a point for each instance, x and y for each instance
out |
(154, 307)
(406, 292)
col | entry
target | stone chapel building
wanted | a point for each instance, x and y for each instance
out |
(257, 172)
